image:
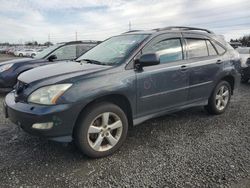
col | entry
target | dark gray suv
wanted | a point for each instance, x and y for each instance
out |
(124, 81)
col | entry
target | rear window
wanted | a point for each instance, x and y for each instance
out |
(197, 48)
(243, 50)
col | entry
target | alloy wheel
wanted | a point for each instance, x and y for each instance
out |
(105, 131)
(222, 97)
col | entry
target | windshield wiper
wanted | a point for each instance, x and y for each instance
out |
(91, 61)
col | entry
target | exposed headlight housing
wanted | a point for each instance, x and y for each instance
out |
(48, 95)
(5, 67)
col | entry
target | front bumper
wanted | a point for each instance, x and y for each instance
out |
(7, 82)
(25, 115)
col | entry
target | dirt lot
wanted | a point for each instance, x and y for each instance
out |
(6, 57)
(185, 149)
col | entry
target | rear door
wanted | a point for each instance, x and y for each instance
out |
(205, 65)
(164, 86)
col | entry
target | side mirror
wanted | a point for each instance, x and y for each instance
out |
(52, 57)
(149, 59)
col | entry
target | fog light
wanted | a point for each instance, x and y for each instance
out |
(47, 125)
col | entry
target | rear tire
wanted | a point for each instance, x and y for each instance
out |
(101, 130)
(219, 99)
(20, 55)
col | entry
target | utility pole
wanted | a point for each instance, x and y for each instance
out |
(129, 26)
(76, 36)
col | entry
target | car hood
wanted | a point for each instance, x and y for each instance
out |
(14, 61)
(58, 72)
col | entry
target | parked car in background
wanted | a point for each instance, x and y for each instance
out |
(125, 81)
(10, 70)
(235, 44)
(10, 50)
(3, 49)
(25, 53)
(245, 63)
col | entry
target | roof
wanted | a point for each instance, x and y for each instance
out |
(171, 29)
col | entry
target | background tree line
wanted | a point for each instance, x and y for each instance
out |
(33, 43)
(245, 41)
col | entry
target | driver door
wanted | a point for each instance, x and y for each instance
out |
(165, 86)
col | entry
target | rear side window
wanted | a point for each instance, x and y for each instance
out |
(211, 50)
(170, 50)
(219, 48)
(197, 48)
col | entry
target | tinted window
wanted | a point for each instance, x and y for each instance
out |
(197, 48)
(220, 49)
(169, 50)
(211, 50)
(66, 52)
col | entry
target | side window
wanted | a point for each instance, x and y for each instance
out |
(169, 50)
(220, 49)
(197, 48)
(82, 48)
(210, 47)
(66, 52)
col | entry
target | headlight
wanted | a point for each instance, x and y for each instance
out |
(5, 67)
(48, 95)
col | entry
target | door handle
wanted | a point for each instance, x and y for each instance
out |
(218, 61)
(184, 68)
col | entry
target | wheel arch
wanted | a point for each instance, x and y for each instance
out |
(231, 80)
(117, 99)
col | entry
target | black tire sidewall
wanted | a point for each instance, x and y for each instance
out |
(81, 131)
(212, 100)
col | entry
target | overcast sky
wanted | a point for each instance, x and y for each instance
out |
(26, 20)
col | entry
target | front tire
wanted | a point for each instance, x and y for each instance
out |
(219, 99)
(101, 130)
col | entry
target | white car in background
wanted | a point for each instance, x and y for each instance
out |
(245, 63)
(25, 53)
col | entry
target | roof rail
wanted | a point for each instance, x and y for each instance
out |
(183, 28)
(131, 31)
(81, 42)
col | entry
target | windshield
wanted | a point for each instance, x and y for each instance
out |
(114, 50)
(46, 52)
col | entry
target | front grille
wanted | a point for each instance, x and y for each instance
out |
(19, 91)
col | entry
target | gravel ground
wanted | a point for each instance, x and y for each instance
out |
(6, 57)
(184, 149)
